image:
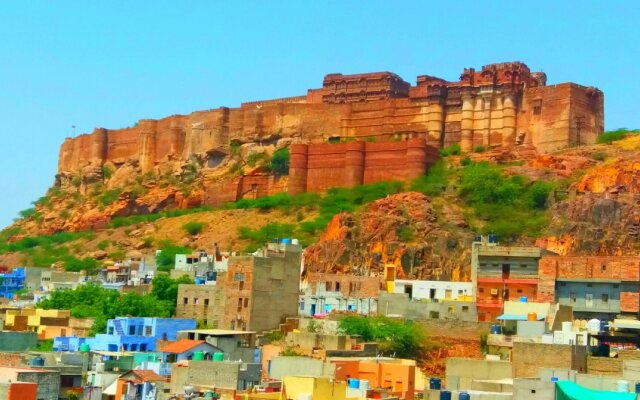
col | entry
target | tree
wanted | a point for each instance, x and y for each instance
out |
(166, 258)
(166, 289)
(193, 228)
(280, 161)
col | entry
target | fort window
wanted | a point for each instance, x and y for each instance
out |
(246, 302)
(572, 296)
(537, 110)
(604, 267)
(605, 298)
(337, 286)
(195, 300)
(334, 139)
(206, 302)
(465, 308)
(185, 301)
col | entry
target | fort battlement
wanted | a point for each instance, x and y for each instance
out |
(499, 105)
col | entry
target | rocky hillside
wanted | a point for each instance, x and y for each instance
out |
(578, 201)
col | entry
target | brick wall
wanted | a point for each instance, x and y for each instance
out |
(347, 285)
(11, 360)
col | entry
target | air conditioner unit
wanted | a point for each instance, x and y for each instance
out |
(494, 292)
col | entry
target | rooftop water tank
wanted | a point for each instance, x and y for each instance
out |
(84, 348)
(532, 316)
(218, 357)
(198, 356)
(295, 242)
(37, 361)
(354, 383)
(435, 383)
(286, 241)
(445, 395)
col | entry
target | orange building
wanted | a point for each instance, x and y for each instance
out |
(396, 375)
(18, 390)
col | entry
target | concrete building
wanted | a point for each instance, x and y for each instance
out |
(226, 376)
(184, 349)
(11, 282)
(281, 366)
(502, 273)
(324, 293)
(52, 280)
(48, 382)
(314, 388)
(259, 291)
(202, 302)
(595, 287)
(434, 290)
(396, 376)
(18, 341)
(399, 304)
(47, 323)
(139, 385)
(236, 345)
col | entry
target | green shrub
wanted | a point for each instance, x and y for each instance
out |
(280, 161)
(234, 147)
(434, 182)
(618, 134)
(109, 197)
(465, 161)
(267, 233)
(103, 244)
(76, 180)
(106, 172)
(452, 150)
(599, 155)
(253, 158)
(118, 222)
(479, 149)
(29, 212)
(406, 234)
(166, 257)
(193, 228)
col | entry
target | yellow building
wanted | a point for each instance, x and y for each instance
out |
(313, 388)
(47, 323)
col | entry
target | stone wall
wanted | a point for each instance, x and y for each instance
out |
(48, 382)
(527, 358)
(316, 167)
(604, 366)
(503, 104)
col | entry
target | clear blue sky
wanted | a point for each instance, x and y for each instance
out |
(110, 63)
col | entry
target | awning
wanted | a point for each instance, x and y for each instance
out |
(516, 317)
(568, 390)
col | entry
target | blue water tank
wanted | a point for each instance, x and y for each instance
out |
(435, 383)
(464, 396)
(37, 361)
(199, 281)
(286, 241)
(638, 387)
(554, 379)
(523, 299)
(478, 239)
(604, 326)
(212, 275)
(493, 238)
(445, 395)
(354, 383)
(495, 329)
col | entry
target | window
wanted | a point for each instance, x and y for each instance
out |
(465, 308)
(615, 286)
(460, 292)
(572, 296)
(337, 286)
(302, 305)
(246, 302)
(195, 300)
(523, 265)
(185, 301)
(238, 277)
(605, 298)
(481, 290)
(206, 302)
(451, 310)
(519, 291)
(604, 267)
(147, 331)
(589, 284)
(537, 110)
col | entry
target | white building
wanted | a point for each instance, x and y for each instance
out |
(434, 290)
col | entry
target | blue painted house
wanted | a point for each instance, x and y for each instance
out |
(11, 282)
(130, 334)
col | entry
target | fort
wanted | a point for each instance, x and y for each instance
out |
(500, 105)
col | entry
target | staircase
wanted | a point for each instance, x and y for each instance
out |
(118, 327)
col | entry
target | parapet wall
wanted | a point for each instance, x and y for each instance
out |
(317, 167)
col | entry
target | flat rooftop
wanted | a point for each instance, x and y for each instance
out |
(217, 332)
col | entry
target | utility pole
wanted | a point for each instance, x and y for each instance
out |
(579, 121)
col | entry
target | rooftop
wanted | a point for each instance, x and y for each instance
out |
(180, 346)
(217, 332)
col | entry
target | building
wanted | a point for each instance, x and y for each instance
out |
(184, 349)
(595, 287)
(313, 388)
(396, 376)
(236, 345)
(18, 390)
(139, 385)
(202, 302)
(130, 334)
(53, 279)
(503, 273)
(47, 323)
(11, 282)
(324, 293)
(48, 382)
(269, 277)
(227, 376)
